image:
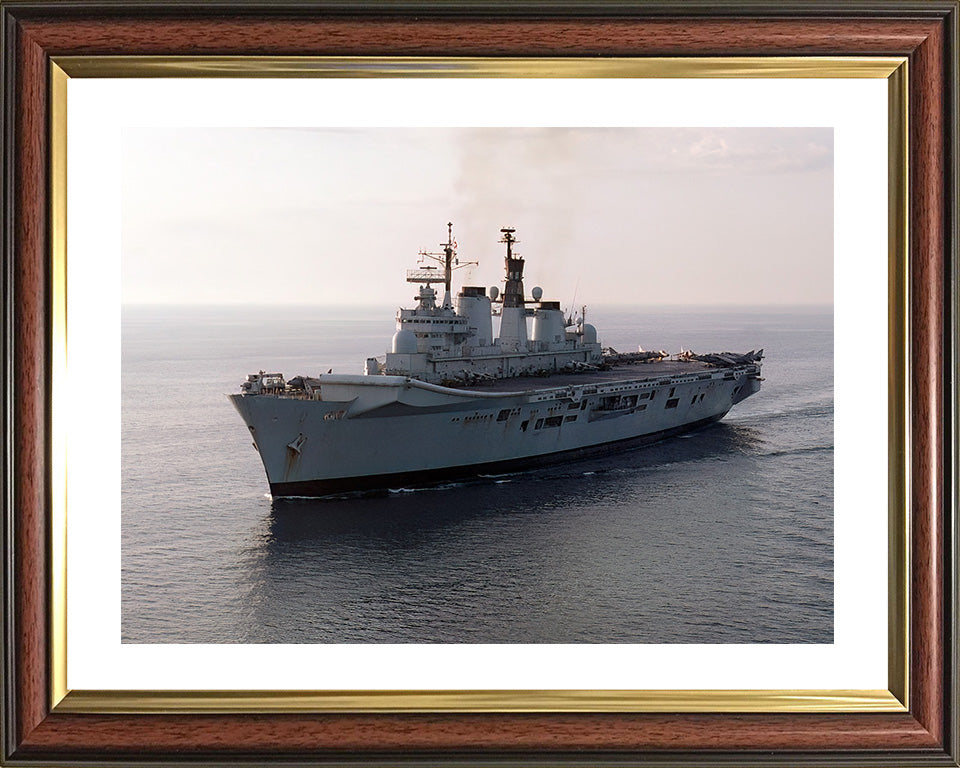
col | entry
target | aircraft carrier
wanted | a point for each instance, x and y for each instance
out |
(450, 401)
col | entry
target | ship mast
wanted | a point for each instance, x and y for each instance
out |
(513, 289)
(448, 251)
(513, 323)
(448, 258)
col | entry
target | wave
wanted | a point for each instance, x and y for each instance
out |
(808, 411)
(796, 451)
(428, 488)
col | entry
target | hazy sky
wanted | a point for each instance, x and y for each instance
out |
(732, 216)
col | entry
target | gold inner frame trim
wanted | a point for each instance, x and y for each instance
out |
(58, 369)
(898, 383)
(893, 69)
(132, 702)
(428, 66)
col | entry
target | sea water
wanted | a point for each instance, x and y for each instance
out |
(724, 535)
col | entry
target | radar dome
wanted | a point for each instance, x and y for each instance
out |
(589, 334)
(404, 342)
(537, 293)
(494, 292)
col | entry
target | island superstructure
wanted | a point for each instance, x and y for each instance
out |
(450, 400)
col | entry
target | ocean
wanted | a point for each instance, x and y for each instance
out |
(724, 535)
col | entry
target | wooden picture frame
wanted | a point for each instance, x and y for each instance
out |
(37, 730)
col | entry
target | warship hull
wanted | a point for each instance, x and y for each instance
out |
(364, 433)
(450, 401)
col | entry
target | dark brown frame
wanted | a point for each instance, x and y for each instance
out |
(925, 32)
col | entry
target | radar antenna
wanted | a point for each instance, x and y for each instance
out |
(509, 239)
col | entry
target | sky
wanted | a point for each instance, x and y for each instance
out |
(334, 216)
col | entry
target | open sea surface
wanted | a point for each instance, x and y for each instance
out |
(720, 536)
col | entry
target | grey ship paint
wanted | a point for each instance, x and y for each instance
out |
(450, 401)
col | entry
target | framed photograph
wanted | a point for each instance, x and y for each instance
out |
(212, 200)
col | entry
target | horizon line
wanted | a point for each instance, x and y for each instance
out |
(295, 304)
